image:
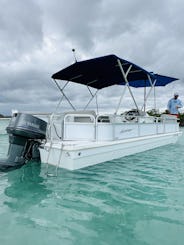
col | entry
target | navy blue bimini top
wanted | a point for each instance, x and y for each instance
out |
(104, 71)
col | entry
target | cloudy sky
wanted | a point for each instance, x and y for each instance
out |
(37, 37)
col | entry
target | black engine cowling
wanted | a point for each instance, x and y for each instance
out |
(26, 133)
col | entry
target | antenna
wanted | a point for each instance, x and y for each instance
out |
(73, 50)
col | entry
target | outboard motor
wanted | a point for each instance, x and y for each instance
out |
(26, 133)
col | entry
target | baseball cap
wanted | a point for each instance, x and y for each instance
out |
(176, 94)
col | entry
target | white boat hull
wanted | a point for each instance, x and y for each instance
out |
(76, 155)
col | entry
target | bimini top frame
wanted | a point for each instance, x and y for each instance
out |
(110, 70)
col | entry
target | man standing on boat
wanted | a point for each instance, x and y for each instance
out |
(174, 104)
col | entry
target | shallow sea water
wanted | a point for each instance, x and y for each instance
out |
(135, 200)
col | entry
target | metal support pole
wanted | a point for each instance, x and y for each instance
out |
(93, 95)
(155, 107)
(124, 90)
(144, 99)
(126, 80)
(152, 86)
(96, 103)
(61, 90)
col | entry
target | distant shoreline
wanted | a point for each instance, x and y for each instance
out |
(4, 117)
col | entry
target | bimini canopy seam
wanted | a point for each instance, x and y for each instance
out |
(104, 71)
(160, 81)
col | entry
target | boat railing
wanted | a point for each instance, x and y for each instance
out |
(55, 127)
(169, 118)
(88, 126)
(115, 119)
(79, 126)
(117, 127)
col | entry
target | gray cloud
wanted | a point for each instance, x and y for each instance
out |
(21, 29)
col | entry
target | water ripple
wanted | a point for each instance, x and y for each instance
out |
(123, 201)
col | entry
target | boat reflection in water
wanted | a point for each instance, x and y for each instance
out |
(26, 188)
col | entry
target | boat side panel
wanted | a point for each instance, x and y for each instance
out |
(78, 131)
(117, 131)
(76, 159)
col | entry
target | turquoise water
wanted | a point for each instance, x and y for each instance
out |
(136, 200)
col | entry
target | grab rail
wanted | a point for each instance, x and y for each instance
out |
(60, 126)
